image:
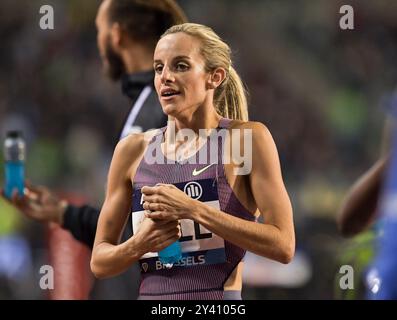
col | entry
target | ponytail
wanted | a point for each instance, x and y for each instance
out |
(231, 97)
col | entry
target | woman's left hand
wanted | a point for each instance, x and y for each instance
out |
(167, 202)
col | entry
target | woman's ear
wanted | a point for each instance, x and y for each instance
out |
(116, 34)
(216, 78)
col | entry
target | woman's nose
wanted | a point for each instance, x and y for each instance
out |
(167, 75)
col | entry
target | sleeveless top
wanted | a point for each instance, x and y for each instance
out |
(208, 260)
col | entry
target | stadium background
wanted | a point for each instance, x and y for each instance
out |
(322, 92)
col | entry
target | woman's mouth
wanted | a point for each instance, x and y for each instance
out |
(168, 94)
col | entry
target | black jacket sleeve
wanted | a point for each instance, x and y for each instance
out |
(81, 222)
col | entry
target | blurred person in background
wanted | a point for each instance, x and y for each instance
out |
(198, 89)
(127, 32)
(360, 207)
(370, 207)
(371, 201)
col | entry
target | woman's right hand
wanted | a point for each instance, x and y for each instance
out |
(155, 235)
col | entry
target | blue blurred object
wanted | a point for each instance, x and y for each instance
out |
(14, 156)
(383, 279)
(170, 255)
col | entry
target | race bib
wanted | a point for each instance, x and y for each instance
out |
(199, 245)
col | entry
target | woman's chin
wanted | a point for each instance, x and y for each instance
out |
(170, 109)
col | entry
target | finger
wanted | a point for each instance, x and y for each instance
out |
(156, 207)
(18, 201)
(150, 206)
(32, 192)
(157, 222)
(157, 198)
(160, 215)
(146, 206)
(155, 215)
(150, 198)
(177, 232)
(41, 192)
(164, 216)
(24, 200)
(164, 185)
(153, 190)
(148, 190)
(160, 222)
(31, 195)
(37, 188)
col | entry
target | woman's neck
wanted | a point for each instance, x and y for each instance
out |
(190, 133)
(196, 121)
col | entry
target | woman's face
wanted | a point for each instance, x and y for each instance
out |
(180, 76)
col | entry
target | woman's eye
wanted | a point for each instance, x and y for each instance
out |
(181, 67)
(158, 68)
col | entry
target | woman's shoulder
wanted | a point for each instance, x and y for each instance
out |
(134, 144)
(255, 133)
(258, 129)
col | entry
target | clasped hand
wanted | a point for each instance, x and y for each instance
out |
(167, 202)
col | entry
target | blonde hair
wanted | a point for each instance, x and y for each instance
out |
(230, 97)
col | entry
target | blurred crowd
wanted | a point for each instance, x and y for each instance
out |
(322, 92)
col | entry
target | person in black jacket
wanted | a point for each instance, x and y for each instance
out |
(128, 31)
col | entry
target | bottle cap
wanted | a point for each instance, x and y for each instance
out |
(14, 134)
(14, 146)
